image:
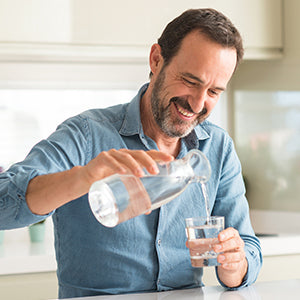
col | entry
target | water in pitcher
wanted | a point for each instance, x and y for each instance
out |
(118, 198)
(132, 202)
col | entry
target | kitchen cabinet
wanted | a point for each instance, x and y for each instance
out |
(33, 286)
(134, 23)
(28, 270)
(93, 30)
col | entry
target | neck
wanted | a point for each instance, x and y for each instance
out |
(164, 143)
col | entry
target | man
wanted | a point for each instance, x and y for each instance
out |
(190, 67)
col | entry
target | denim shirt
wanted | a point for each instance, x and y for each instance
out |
(148, 252)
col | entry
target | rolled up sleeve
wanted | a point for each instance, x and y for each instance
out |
(64, 149)
(14, 211)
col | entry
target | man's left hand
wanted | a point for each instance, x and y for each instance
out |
(232, 257)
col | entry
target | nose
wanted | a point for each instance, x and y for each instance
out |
(198, 100)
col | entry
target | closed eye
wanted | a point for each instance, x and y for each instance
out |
(214, 93)
(188, 82)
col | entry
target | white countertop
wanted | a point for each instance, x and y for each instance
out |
(18, 255)
(282, 244)
(275, 222)
(276, 290)
(283, 229)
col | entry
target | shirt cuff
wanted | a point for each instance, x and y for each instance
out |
(17, 194)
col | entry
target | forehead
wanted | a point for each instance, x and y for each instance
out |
(196, 40)
(198, 54)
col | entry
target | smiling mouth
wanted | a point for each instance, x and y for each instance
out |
(184, 112)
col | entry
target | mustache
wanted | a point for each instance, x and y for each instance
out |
(185, 105)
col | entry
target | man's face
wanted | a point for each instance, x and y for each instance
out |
(188, 88)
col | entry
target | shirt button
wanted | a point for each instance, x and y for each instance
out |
(158, 242)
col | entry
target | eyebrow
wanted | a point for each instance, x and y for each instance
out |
(191, 76)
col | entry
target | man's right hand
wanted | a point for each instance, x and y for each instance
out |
(48, 192)
(124, 161)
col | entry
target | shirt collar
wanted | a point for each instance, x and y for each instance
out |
(201, 132)
(132, 122)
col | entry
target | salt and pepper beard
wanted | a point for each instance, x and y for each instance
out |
(163, 116)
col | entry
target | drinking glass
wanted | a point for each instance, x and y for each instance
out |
(205, 231)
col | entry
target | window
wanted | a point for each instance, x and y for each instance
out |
(29, 115)
(267, 137)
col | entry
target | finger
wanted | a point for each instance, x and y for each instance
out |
(230, 266)
(146, 160)
(149, 159)
(233, 244)
(113, 164)
(231, 257)
(102, 166)
(127, 159)
(228, 233)
(160, 156)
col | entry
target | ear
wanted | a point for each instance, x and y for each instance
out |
(155, 59)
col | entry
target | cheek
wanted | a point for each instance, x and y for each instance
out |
(183, 92)
(167, 94)
(210, 105)
(176, 88)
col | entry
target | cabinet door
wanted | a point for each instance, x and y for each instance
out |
(136, 22)
(132, 23)
(36, 21)
(32, 286)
